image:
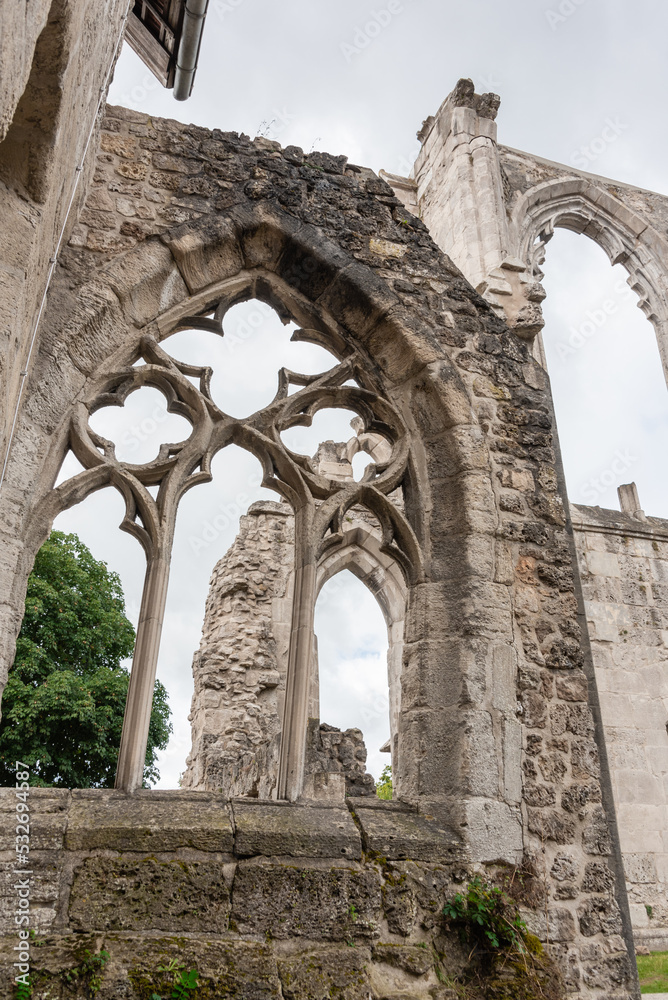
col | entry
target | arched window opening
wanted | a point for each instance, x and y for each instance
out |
(351, 674)
(207, 524)
(249, 739)
(65, 698)
(607, 382)
(95, 520)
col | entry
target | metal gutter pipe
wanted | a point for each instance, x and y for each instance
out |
(188, 54)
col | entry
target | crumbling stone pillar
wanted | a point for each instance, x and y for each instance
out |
(240, 667)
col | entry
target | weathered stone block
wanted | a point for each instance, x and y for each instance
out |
(572, 687)
(137, 967)
(55, 966)
(551, 825)
(596, 834)
(47, 811)
(149, 821)
(318, 975)
(599, 914)
(400, 907)
(584, 759)
(495, 831)
(335, 904)
(146, 894)
(205, 253)
(598, 877)
(46, 877)
(412, 959)
(239, 969)
(395, 833)
(155, 284)
(557, 924)
(422, 684)
(638, 868)
(575, 798)
(298, 831)
(607, 973)
(564, 867)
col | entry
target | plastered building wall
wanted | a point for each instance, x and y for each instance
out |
(56, 57)
(624, 571)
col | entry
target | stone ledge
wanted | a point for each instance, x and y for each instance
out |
(397, 833)
(162, 821)
(298, 831)
(148, 821)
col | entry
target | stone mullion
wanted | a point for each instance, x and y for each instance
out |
(137, 718)
(298, 681)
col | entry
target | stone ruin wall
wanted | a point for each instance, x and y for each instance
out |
(499, 606)
(266, 900)
(240, 668)
(494, 209)
(623, 563)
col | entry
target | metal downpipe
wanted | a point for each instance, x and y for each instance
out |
(188, 54)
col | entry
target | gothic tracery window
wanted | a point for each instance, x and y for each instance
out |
(319, 497)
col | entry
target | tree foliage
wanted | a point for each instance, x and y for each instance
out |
(62, 709)
(384, 785)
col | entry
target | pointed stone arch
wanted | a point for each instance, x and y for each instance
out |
(497, 744)
(257, 250)
(360, 551)
(626, 236)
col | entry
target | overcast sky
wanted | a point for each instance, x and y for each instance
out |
(359, 78)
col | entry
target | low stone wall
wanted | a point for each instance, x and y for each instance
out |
(262, 899)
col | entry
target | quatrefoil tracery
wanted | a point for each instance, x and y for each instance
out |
(181, 465)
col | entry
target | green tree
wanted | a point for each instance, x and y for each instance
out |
(384, 785)
(62, 709)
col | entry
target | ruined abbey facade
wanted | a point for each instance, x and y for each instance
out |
(526, 635)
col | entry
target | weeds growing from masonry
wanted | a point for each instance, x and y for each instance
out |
(506, 961)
